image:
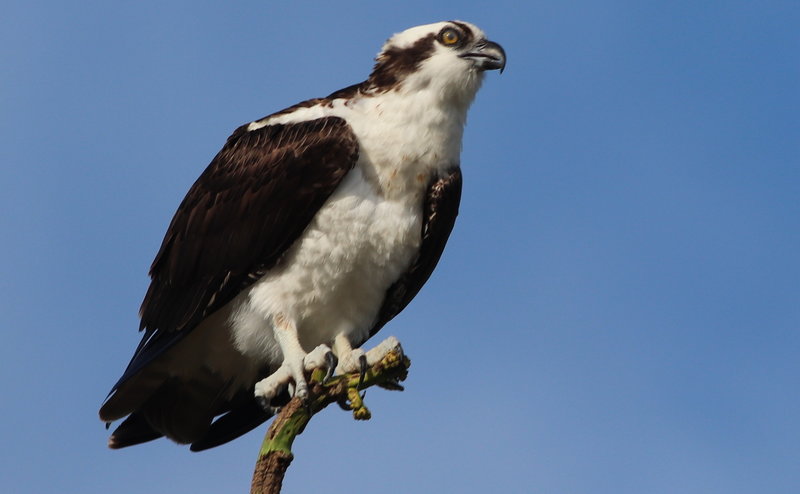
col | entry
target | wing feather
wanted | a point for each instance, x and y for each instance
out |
(440, 210)
(249, 205)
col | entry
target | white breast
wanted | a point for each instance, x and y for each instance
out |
(335, 277)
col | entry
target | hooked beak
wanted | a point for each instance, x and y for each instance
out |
(487, 55)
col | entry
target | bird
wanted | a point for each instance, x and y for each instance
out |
(308, 232)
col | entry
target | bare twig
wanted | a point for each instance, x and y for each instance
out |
(276, 453)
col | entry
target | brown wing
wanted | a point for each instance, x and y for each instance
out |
(440, 211)
(252, 202)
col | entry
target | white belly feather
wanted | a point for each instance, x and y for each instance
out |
(334, 278)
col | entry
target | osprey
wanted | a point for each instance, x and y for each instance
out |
(309, 231)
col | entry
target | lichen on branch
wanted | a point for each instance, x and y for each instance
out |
(275, 455)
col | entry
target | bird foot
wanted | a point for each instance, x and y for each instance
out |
(291, 373)
(352, 360)
(356, 359)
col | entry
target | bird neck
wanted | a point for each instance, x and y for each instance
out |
(407, 136)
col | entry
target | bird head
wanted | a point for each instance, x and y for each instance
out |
(448, 58)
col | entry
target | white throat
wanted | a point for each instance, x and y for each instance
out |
(412, 132)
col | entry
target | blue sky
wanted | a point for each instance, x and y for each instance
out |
(617, 310)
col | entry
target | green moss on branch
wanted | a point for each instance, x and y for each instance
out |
(275, 455)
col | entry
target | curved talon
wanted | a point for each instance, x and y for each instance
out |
(392, 385)
(331, 361)
(362, 370)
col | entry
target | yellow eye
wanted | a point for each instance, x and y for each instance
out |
(450, 37)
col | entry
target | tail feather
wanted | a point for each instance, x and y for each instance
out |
(132, 394)
(237, 422)
(181, 409)
(178, 409)
(133, 430)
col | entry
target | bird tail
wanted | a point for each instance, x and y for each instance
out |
(180, 409)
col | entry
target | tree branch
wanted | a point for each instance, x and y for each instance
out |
(275, 455)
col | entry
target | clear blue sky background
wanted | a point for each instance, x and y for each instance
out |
(617, 310)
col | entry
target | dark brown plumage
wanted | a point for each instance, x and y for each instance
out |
(254, 202)
(440, 211)
(248, 206)
(239, 206)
